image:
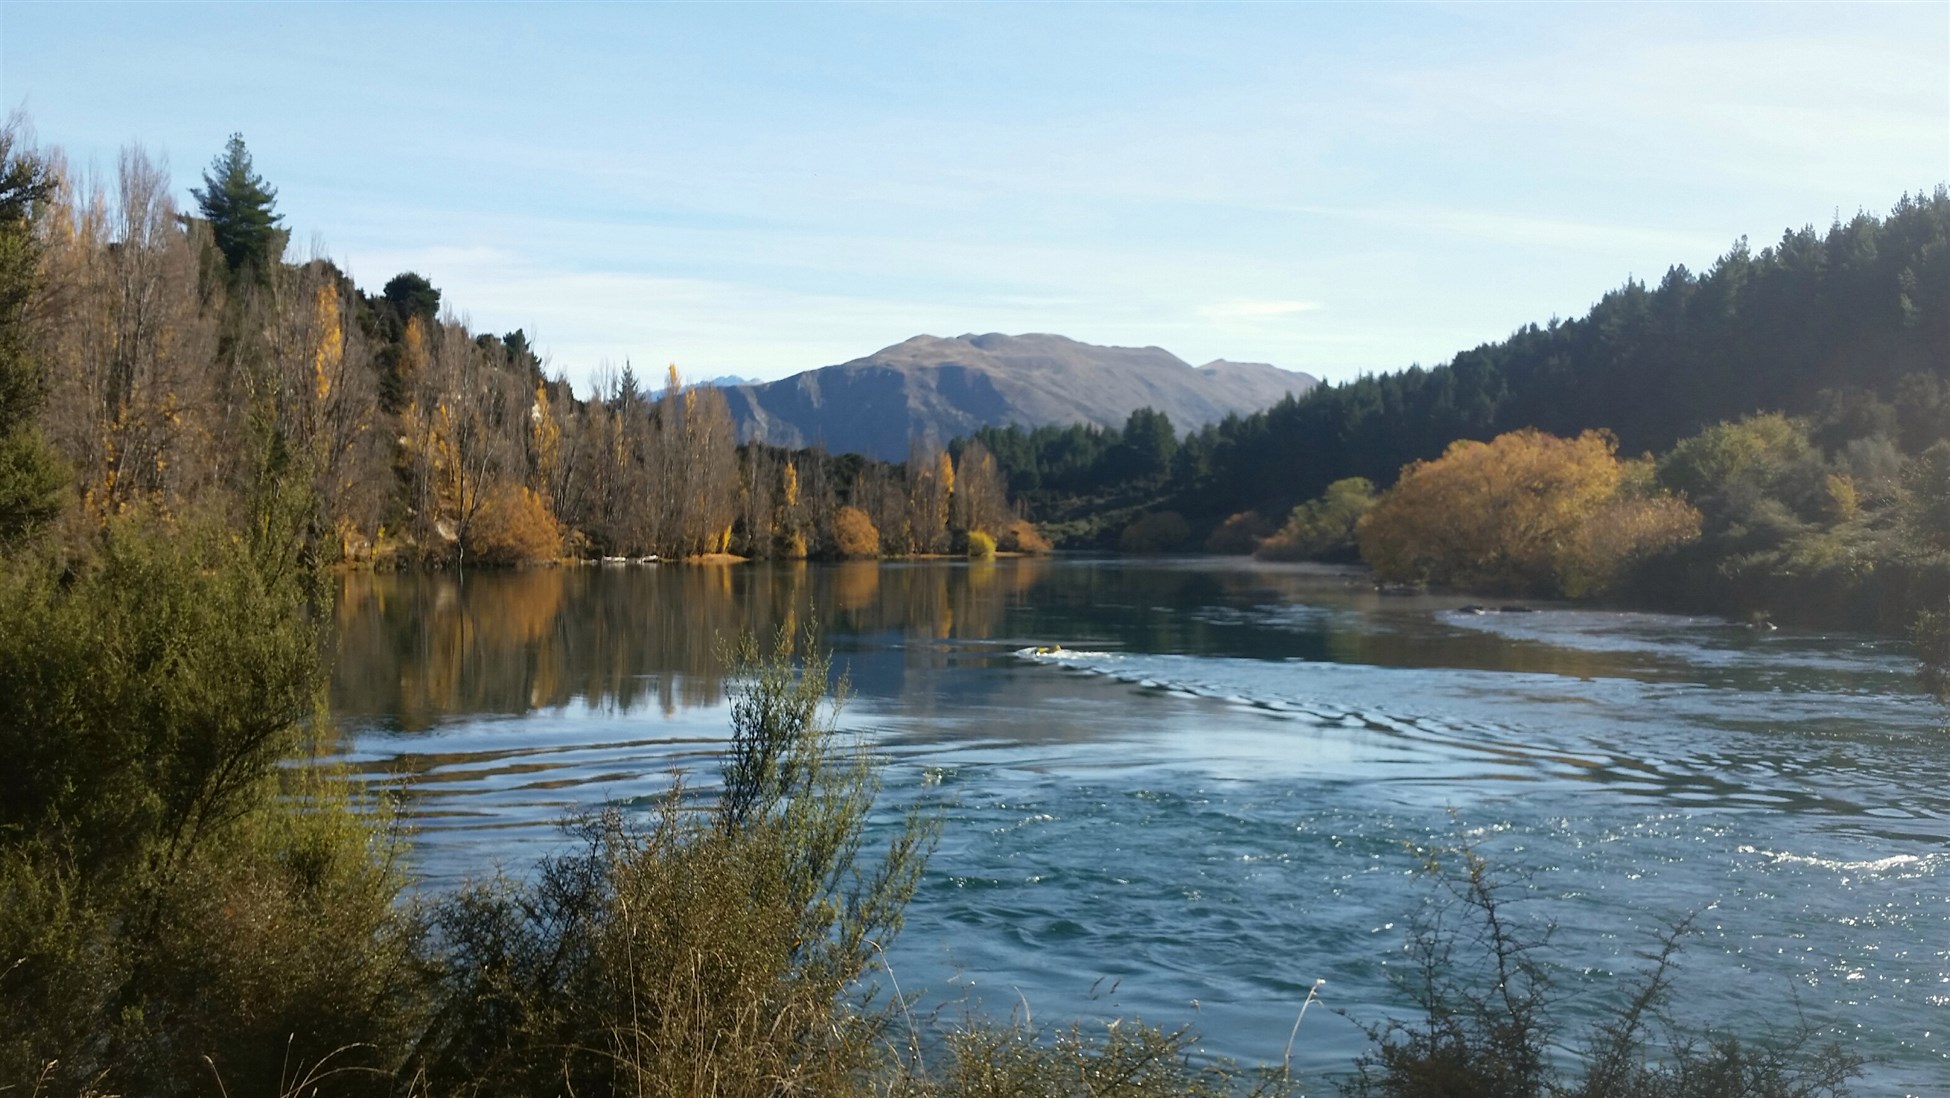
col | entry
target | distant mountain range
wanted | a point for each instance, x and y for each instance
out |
(930, 387)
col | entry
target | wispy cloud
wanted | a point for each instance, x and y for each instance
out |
(1236, 310)
(1327, 187)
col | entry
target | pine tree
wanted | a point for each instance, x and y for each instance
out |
(237, 203)
(31, 477)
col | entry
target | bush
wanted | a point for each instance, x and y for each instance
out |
(1126, 1060)
(1324, 528)
(1239, 534)
(171, 887)
(1526, 513)
(1021, 536)
(980, 546)
(1489, 1021)
(1157, 532)
(854, 535)
(717, 951)
(515, 526)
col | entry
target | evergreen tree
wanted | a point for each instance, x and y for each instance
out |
(237, 203)
(30, 475)
(411, 295)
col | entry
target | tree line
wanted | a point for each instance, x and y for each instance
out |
(181, 347)
(1853, 314)
(1789, 409)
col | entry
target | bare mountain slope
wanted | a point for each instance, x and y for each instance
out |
(942, 388)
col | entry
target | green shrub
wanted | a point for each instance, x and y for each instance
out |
(175, 897)
(714, 951)
(980, 545)
(1324, 528)
(1157, 532)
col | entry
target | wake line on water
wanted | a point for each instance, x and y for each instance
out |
(1840, 865)
(1619, 739)
(1450, 735)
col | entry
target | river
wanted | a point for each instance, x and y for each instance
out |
(1220, 789)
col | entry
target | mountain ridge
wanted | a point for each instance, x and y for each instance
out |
(939, 388)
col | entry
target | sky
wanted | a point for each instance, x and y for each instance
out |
(755, 189)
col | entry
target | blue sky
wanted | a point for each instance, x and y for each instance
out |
(758, 189)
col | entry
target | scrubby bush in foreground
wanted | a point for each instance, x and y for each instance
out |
(177, 894)
(708, 951)
(1489, 1023)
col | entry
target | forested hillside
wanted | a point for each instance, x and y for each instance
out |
(188, 364)
(1825, 325)
(1800, 327)
(1770, 438)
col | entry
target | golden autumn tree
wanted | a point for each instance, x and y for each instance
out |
(1527, 512)
(126, 341)
(544, 442)
(930, 488)
(515, 526)
(327, 401)
(854, 535)
(461, 439)
(981, 502)
(792, 514)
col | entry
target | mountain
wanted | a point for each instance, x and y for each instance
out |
(943, 388)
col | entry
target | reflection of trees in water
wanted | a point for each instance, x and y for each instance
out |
(419, 647)
(415, 648)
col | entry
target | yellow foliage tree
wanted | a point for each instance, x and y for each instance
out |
(515, 526)
(413, 351)
(854, 535)
(544, 441)
(330, 352)
(1526, 512)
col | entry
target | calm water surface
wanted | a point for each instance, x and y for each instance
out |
(1218, 792)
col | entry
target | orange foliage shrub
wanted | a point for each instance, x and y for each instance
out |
(1527, 512)
(1239, 535)
(515, 526)
(854, 535)
(1021, 536)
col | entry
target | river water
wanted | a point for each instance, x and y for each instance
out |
(1221, 788)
